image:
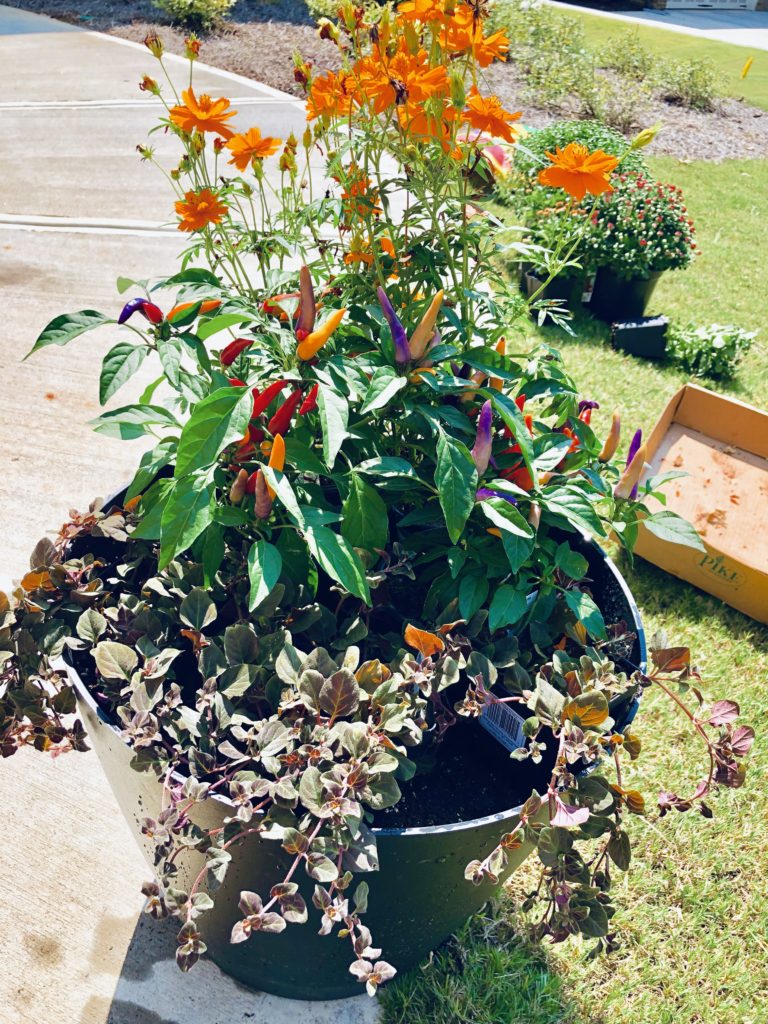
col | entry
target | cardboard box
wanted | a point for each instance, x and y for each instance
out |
(722, 445)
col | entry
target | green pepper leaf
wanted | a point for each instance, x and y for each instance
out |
(671, 527)
(64, 328)
(508, 606)
(336, 556)
(217, 421)
(265, 563)
(187, 513)
(473, 590)
(365, 521)
(456, 481)
(132, 421)
(119, 365)
(221, 322)
(385, 384)
(513, 418)
(334, 419)
(587, 612)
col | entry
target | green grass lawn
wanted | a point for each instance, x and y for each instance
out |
(694, 917)
(727, 58)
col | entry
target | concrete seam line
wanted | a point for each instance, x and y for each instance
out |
(85, 225)
(249, 101)
(229, 75)
(81, 230)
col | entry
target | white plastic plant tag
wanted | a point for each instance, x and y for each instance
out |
(503, 724)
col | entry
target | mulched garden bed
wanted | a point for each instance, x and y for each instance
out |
(261, 37)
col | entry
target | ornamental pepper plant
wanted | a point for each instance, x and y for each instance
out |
(357, 518)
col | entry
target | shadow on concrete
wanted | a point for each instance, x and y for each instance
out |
(103, 14)
(17, 22)
(152, 990)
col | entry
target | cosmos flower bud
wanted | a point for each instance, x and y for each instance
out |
(646, 136)
(154, 44)
(192, 47)
(148, 84)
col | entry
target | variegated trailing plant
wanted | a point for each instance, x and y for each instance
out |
(356, 522)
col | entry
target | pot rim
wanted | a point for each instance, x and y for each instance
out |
(60, 664)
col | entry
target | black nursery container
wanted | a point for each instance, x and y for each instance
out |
(566, 289)
(419, 895)
(616, 298)
(645, 337)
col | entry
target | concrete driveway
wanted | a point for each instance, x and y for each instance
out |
(744, 28)
(78, 209)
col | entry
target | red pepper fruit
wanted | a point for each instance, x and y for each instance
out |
(520, 403)
(515, 449)
(574, 440)
(310, 402)
(244, 452)
(250, 486)
(147, 309)
(237, 383)
(281, 421)
(255, 434)
(233, 350)
(266, 397)
(520, 476)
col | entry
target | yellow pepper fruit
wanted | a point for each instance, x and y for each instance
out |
(276, 459)
(422, 336)
(313, 342)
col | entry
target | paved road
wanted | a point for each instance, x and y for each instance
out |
(77, 209)
(745, 28)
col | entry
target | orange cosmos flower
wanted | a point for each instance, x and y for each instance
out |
(331, 95)
(198, 209)
(358, 198)
(422, 124)
(464, 33)
(203, 114)
(425, 11)
(251, 145)
(486, 114)
(407, 78)
(578, 171)
(358, 255)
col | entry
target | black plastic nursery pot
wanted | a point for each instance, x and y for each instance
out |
(619, 298)
(418, 896)
(566, 289)
(644, 337)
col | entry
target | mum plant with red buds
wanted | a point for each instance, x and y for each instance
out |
(358, 521)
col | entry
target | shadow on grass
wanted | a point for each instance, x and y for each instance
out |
(485, 974)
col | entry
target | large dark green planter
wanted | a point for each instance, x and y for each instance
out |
(419, 896)
(616, 298)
